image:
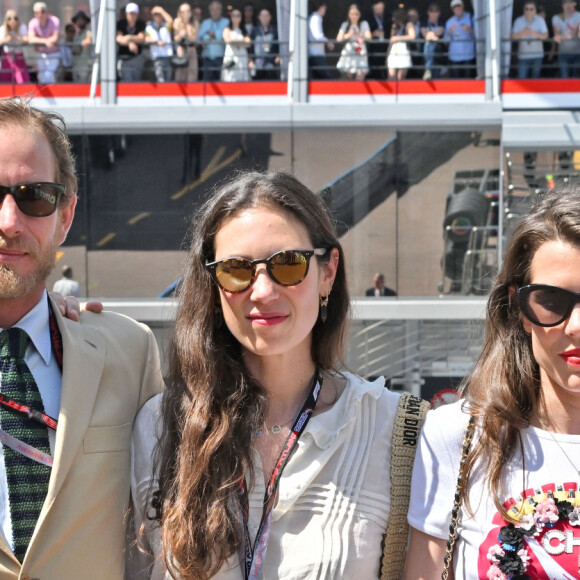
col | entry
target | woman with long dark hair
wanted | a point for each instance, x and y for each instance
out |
(272, 462)
(518, 503)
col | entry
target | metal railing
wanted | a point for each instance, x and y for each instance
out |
(413, 342)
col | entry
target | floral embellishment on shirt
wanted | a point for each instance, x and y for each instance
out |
(535, 516)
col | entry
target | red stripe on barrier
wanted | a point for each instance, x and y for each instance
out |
(512, 86)
(48, 91)
(442, 87)
(258, 89)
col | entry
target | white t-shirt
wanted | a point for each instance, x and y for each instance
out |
(547, 470)
(530, 47)
(568, 26)
(334, 494)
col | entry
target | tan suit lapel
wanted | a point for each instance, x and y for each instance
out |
(83, 361)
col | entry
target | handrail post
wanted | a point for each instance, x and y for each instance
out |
(298, 49)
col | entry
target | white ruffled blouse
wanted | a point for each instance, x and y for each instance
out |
(334, 494)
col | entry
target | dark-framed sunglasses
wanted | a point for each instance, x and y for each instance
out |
(546, 305)
(38, 199)
(287, 268)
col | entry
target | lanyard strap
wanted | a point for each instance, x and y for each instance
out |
(252, 558)
(33, 414)
(25, 449)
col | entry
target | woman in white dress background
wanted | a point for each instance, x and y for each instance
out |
(399, 56)
(235, 66)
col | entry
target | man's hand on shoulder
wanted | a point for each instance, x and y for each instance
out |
(70, 307)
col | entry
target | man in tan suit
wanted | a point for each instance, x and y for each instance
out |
(92, 378)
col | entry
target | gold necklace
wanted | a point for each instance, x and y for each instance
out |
(558, 444)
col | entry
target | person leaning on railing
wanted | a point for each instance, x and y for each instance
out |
(399, 56)
(461, 37)
(83, 48)
(566, 26)
(13, 34)
(530, 30)
(432, 31)
(185, 31)
(44, 34)
(265, 63)
(159, 38)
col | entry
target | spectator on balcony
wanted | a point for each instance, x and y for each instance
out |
(378, 288)
(432, 31)
(66, 54)
(83, 48)
(529, 31)
(379, 22)
(566, 36)
(130, 38)
(13, 34)
(44, 33)
(211, 34)
(415, 48)
(235, 67)
(317, 43)
(354, 32)
(399, 57)
(158, 36)
(197, 14)
(265, 48)
(185, 30)
(249, 13)
(461, 38)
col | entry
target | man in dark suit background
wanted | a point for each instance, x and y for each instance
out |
(380, 24)
(379, 288)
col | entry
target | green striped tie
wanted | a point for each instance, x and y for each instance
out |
(27, 479)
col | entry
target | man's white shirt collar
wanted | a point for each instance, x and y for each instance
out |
(35, 323)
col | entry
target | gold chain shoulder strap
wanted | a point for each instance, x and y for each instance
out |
(448, 559)
(409, 419)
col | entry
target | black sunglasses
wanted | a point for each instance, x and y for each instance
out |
(546, 305)
(287, 268)
(34, 199)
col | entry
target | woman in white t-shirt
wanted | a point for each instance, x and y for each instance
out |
(520, 503)
(13, 34)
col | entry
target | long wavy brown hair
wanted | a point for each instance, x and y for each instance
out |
(213, 407)
(503, 390)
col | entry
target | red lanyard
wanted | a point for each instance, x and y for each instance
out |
(33, 414)
(252, 558)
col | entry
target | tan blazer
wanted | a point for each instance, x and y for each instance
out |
(110, 369)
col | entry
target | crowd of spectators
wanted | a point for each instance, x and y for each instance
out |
(240, 43)
(232, 47)
(38, 52)
(403, 44)
(381, 45)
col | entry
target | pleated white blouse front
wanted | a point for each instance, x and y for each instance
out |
(334, 494)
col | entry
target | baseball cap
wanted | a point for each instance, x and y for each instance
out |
(455, 3)
(132, 7)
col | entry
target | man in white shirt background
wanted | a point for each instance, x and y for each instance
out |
(317, 43)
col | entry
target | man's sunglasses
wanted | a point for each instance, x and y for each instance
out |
(287, 268)
(34, 199)
(545, 305)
